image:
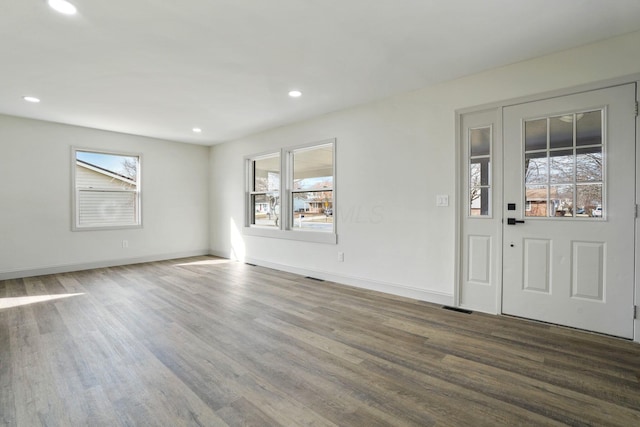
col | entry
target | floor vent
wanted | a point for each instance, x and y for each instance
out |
(252, 265)
(314, 278)
(459, 310)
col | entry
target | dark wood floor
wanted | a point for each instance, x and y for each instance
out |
(202, 341)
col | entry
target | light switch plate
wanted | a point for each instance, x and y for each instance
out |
(442, 200)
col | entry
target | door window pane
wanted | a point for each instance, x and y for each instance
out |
(479, 172)
(561, 200)
(561, 131)
(479, 201)
(561, 166)
(589, 164)
(480, 140)
(535, 135)
(536, 197)
(536, 168)
(589, 200)
(589, 128)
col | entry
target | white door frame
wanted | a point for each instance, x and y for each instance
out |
(461, 202)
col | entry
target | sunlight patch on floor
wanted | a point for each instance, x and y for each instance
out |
(26, 300)
(204, 262)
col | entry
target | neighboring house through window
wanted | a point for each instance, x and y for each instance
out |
(106, 190)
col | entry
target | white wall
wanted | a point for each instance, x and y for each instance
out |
(35, 200)
(393, 158)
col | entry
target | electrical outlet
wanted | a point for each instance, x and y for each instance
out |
(442, 200)
(125, 243)
(340, 256)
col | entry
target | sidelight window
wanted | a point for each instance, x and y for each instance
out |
(480, 171)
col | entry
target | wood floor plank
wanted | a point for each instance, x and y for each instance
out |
(577, 373)
(554, 402)
(277, 403)
(203, 341)
(243, 412)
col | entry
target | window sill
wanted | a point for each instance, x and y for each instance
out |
(105, 227)
(302, 236)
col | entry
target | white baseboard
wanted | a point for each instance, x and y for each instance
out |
(55, 269)
(374, 285)
(386, 287)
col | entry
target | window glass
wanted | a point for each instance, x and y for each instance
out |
(589, 200)
(589, 128)
(313, 168)
(480, 140)
(561, 131)
(536, 168)
(561, 200)
(564, 168)
(266, 174)
(535, 134)
(479, 171)
(107, 190)
(589, 164)
(561, 166)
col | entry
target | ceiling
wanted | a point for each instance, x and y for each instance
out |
(162, 67)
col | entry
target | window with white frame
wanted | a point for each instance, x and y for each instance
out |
(106, 190)
(264, 190)
(312, 188)
(480, 171)
(292, 190)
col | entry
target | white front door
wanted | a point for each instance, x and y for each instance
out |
(569, 210)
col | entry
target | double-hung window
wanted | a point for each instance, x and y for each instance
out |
(312, 188)
(291, 193)
(106, 190)
(265, 190)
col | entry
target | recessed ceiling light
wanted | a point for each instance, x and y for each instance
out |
(31, 99)
(295, 93)
(62, 6)
(197, 130)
